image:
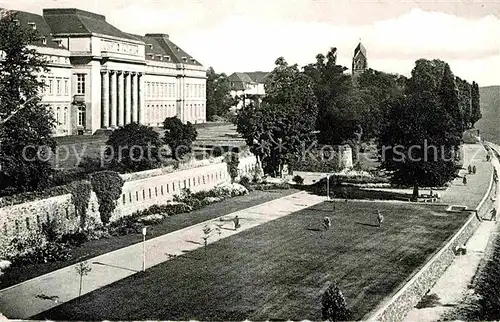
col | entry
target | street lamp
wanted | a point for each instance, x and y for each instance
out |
(144, 249)
(328, 186)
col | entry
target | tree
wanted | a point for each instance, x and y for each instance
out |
(178, 136)
(218, 94)
(134, 147)
(282, 127)
(107, 186)
(476, 107)
(334, 306)
(30, 129)
(448, 94)
(416, 125)
(82, 269)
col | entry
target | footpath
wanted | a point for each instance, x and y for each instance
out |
(453, 284)
(42, 293)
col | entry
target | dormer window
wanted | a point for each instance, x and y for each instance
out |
(32, 25)
(160, 57)
(193, 60)
(150, 46)
(166, 57)
(58, 42)
(178, 49)
(152, 56)
(16, 21)
(185, 59)
(44, 41)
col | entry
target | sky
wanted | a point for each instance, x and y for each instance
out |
(249, 35)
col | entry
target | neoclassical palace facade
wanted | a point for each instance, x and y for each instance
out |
(101, 77)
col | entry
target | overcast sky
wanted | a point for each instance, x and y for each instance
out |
(248, 35)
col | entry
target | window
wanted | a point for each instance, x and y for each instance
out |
(66, 87)
(58, 87)
(33, 25)
(81, 116)
(50, 86)
(150, 46)
(65, 116)
(44, 41)
(80, 83)
(58, 111)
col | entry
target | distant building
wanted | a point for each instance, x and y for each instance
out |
(247, 87)
(101, 77)
(359, 61)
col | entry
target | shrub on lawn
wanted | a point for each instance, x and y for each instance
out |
(230, 190)
(334, 306)
(134, 147)
(298, 180)
(80, 196)
(271, 186)
(91, 164)
(107, 186)
(152, 219)
(178, 136)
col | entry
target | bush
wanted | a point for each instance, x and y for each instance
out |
(298, 180)
(4, 265)
(334, 306)
(91, 164)
(232, 160)
(125, 157)
(271, 186)
(107, 186)
(178, 136)
(245, 182)
(80, 196)
(152, 219)
(230, 190)
(34, 248)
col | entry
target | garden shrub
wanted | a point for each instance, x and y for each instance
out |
(179, 136)
(34, 248)
(107, 186)
(230, 190)
(271, 186)
(80, 196)
(4, 265)
(298, 180)
(91, 164)
(232, 160)
(152, 219)
(50, 230)
(334, 306)
(245, 182)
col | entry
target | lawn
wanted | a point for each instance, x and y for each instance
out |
(97, 247)
(280, 269)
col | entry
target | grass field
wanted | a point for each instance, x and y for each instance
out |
(280, 269)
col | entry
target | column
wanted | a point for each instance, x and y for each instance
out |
(135, 100)
(141, 98)
(105, 99)
(128, 98)
(121, 99)
(114, 98)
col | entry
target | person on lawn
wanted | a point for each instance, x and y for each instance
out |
(469, 169)
(327, 223)
(380, 218)
(236, 222)
(474, 169)
(493, 214)
(464, 180)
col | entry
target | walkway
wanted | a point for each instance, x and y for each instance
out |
(37, 295)
(453, 284)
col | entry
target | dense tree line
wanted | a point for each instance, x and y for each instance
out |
(218, 94)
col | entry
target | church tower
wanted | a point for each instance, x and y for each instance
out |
(359, 60)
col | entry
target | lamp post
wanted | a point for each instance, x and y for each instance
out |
(327, 186)
(144, 249)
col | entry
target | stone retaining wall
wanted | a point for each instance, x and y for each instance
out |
(136, 195)
(396, 308)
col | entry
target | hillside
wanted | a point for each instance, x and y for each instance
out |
(489, 124)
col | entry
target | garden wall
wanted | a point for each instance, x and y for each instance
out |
(136, 195)
(396, 308)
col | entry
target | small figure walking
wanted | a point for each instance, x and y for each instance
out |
(236, 221)
(469, 169)
(380, 218)
(327, 223)
(493, 214)
(474, 169)
(464, 180)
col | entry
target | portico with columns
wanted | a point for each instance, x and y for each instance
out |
(120, 98)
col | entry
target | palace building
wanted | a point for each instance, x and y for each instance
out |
(101, 77)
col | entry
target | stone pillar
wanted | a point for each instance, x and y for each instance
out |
(121, 99)
(105, 99)
(142, 98)
(114, 99)
(135, 100)
(128, 98)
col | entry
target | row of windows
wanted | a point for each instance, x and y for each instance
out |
(62, 115)
(56, 85)
(158, 113)
(57, 59)
(195, 90)
(155, 89)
